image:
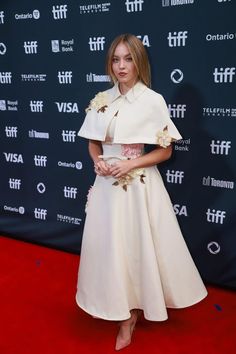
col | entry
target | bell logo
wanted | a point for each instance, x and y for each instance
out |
(222, 75)
(215, 216)
(220, 147)
(177, 76)
(177, 39)
(11, 157)
(213, 247)
(134, 5)
(3, 48)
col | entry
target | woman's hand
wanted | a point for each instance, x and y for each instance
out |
(101, 168)
(121, 168)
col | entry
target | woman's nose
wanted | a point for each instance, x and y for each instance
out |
(122, 64)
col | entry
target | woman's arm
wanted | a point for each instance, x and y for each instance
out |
(95, 149)
(150, 159)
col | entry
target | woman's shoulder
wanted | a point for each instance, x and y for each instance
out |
(154, 97)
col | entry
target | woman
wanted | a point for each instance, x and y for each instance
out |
(133, 258)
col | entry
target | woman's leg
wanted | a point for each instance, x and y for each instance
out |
(126, 330)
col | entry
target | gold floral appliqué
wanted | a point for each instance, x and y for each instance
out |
(129, 177)
(99, 102)
(163, 138)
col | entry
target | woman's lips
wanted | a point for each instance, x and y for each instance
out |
(122, 74)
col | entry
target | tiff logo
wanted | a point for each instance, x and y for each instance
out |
(36, 106)
(11, 132)
(177, 39)
(64, 77)
(31, 47)
(174, 176)
(70, 192)
(1, 17)
(14, 183)
(68, 136)
(215, 216)
(96, 43)
(134, 5)
(220, 147)
(177, 110)
(223, 75)
(5, 77)
(40, 213)
(40, 160)
(59, 12)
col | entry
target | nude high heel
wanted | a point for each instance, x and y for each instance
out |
(126, 330)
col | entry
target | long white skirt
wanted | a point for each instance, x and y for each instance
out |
(133, 254)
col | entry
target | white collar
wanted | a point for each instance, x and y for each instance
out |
(131, 95)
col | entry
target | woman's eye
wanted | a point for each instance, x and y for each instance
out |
(115, 60)
(129, 59)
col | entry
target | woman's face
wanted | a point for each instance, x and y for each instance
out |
(123, 66)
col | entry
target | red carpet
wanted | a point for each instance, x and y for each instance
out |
(39, 314)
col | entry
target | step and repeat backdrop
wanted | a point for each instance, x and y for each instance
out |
(52, 57)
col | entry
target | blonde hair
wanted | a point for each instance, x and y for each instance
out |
(138, 54)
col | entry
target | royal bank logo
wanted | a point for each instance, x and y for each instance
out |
(177, 39)
(68, 219)
(59, 12)
(38, 135)
(64, 77)
(40, 160)
(96, 43)
(36, 106)
(220, 112)
(213, 247)
(134, 5)
(13, 157)
(177, 76)
(14, 183)
(220, 147)
(70, 192)
(35, 15)
(67, 107)
(40, 214)
(215, 216)
(7, 105)
(180, 210)
(177, 110)
(11, 132)
(64, 46)
(34, 77)
(95, 8)
(5, 77)
(220, 37)
(78, 164)
(224, 75)
(182, 145)
(145, 40)
(1, 17)
(217, 183)
(20, 210)
(91, 77)
(68, 136)
(3, 48)
(166, 3)
(31, 47)
(174, 176)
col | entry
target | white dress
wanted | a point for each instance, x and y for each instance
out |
(133, 254)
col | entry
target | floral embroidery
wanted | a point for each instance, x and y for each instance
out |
(99, 102)
(163, 138)
(131, 150)
(88, 197)
(127, 179)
